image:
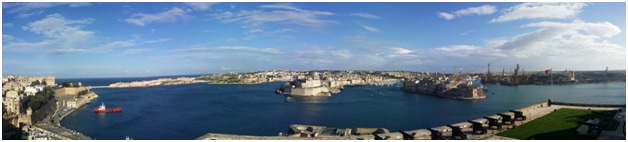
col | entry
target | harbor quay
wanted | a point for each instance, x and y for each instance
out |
(483, 128)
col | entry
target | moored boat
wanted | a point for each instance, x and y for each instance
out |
(103, 109)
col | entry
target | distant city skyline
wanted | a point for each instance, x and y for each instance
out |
(81, 40)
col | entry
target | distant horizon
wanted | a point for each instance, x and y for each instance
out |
(192, 75)
(107, 39)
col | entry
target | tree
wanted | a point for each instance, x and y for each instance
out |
(81, 93)
(66, 84)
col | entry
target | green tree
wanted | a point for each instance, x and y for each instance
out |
(65, 84)
(81, 93)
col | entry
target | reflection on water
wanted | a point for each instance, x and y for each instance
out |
(307, 100)
(101, 116)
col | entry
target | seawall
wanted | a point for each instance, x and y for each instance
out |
(90, 96)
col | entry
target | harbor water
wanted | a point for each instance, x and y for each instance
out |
(185, 112)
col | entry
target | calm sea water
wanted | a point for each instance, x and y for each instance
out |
(186, 112)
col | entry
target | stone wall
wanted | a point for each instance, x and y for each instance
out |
(306, 91)
(69, 91)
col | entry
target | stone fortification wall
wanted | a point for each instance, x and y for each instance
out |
(69, 91)
(311, 83)
(306, 91)
(532, 107)
(338, 83)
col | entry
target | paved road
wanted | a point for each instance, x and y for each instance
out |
(61, 133)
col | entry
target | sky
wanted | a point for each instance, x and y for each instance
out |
(117, 39)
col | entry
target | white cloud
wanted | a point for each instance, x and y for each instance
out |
(233, 48)
(369, 28)
(56, 26)
(26, 15)
(280, 31)
(446, 15)
(365, 15)
(136, 51)
(342, 54)
(67, 51)
(604, 29)
(575, 45)
(26, 6)
(60, 35)
(457, 48)
(157, 40)
(23, 8)
(171, 15)
(126, 43)
(556, 38)
(80, 4)
(7, 24)
(481, 10)
(400, 52)
(7, 38)
(540, 10)
(200, 5)
(116, 44)
(281, 13)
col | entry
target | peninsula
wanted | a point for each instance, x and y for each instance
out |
(157, 82)
(325, 83)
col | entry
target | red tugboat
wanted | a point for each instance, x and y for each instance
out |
(102, 109)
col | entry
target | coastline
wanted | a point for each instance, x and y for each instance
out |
(63, 133)
(89, 100)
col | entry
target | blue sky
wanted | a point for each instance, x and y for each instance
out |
(152, 39)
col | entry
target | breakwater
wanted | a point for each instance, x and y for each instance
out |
(477, 129)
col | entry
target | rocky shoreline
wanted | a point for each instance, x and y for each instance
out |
(157, 82)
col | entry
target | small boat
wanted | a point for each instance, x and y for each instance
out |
(103, 109)
(289, 99)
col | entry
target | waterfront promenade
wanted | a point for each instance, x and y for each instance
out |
(531, 112)
(52, 125)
